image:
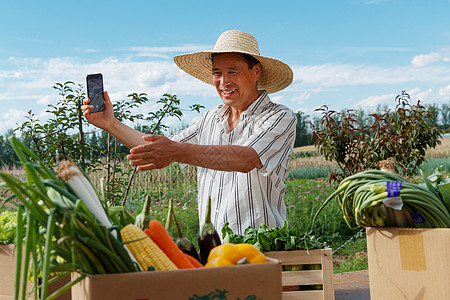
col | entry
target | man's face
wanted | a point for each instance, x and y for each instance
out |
(234, 81)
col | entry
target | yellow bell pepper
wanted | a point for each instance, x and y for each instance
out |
(253, 255)
(232, 254)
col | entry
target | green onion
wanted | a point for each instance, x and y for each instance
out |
(65, 228)
(360, 198)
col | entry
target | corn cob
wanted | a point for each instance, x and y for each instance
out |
(146, 252)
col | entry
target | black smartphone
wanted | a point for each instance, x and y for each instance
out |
(94, 83)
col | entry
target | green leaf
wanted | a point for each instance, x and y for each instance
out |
(264, 242)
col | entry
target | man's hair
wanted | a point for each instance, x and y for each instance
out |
(249, 59)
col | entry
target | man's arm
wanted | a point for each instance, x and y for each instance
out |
(159, 152)
(106, 121)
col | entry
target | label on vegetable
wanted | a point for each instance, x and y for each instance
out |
(393, 188)
(394, 200)
(417, 217)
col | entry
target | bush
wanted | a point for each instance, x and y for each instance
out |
(8, 223)
(404, 135)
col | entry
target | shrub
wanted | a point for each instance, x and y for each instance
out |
(403, 134)
(8, 223)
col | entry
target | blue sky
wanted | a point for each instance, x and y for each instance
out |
(344, 54)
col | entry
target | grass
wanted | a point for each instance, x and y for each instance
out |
(310, 172)
(303, 198)
(436, 164)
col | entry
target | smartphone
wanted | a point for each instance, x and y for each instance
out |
(94, 83)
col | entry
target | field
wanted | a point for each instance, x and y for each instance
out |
(304, 194)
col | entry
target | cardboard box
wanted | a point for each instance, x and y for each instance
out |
(255, 281)
(309, 283)
(408, 263)
(8, 276)
(7, 272)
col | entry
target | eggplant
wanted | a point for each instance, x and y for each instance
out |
(183, 242)
(208, 238)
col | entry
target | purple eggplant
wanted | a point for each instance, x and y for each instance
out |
(183, 242)
(208, 238)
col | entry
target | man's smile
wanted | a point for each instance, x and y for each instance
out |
(229, 92)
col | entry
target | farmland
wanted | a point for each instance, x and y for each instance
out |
(303, 197)
(304, 194)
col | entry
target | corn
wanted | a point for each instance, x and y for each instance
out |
(146, 252)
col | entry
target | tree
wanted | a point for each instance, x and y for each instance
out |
(302, 136)
(434, 109)
(64, 136)
(6, 152)
(445, 116)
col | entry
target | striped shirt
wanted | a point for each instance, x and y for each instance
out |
(256, 197)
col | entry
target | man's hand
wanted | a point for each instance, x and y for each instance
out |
(157, 153)
(101, 119)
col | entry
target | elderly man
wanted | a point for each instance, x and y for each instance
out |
(241, 147)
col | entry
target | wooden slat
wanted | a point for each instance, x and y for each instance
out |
(304, 295)
(305, 277)
(297, 257)
(327, 269)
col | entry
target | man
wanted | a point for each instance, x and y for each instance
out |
(241, 148)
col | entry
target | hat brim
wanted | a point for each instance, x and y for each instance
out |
(275, 75)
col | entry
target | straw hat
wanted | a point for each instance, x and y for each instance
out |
(275, 75)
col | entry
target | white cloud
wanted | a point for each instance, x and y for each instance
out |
(91, 50)
(431, 58)
(34, 79)
(45, 100)
(10, 118)
(174, 49)
(425, 59)
(277, 99)
(300, 99)
(120, 77)
(305, 95)
(333, 75)
(424, 97)
(314, 85)
(373, 101)
(166, 52)
(416, 94)
(445, 93)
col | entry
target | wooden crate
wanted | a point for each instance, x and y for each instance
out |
(295, 283)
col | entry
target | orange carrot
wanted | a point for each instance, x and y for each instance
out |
(161, 237)
(194, 261)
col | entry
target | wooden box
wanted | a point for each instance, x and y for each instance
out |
(314, 278)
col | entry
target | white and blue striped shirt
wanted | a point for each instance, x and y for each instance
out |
(256, 197)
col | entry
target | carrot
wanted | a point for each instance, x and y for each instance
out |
(161, 237)
(194, 261)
